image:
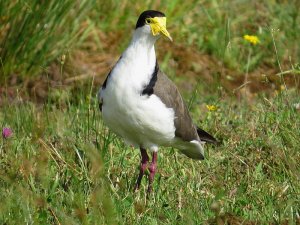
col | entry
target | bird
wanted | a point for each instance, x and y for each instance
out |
(142, 105)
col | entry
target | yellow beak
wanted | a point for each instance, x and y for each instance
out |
(158, 25)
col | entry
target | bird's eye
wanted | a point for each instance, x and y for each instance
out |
(148, 21)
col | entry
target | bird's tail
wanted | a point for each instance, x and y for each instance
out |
(206, 137)
(192, 149)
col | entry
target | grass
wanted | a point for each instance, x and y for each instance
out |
(34, 34)
(63, 166)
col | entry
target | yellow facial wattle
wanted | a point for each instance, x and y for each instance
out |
(159, 25)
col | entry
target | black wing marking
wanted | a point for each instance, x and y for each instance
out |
(103, 87)
(105, 83)
(148, 89)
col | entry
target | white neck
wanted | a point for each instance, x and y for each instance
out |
(138, 61)
(143, 36)
(141, 48)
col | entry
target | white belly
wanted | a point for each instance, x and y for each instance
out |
(142, 120)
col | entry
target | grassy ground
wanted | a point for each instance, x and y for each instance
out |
(63, 166)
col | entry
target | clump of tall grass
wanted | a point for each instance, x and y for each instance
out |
(34, 33)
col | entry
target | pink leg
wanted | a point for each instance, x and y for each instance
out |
(144, 162)
(152, 170)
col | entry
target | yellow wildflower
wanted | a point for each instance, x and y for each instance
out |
(252, 39)
(211, 107)
(63, 59)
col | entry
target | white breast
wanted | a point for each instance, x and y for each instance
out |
(141, 119)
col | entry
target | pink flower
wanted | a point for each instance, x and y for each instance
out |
(6, 132)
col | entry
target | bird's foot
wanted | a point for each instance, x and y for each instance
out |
(143, 167)
(152, 171)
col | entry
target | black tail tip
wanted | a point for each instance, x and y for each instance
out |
(206, 137)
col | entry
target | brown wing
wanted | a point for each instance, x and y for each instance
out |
(166, 90)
